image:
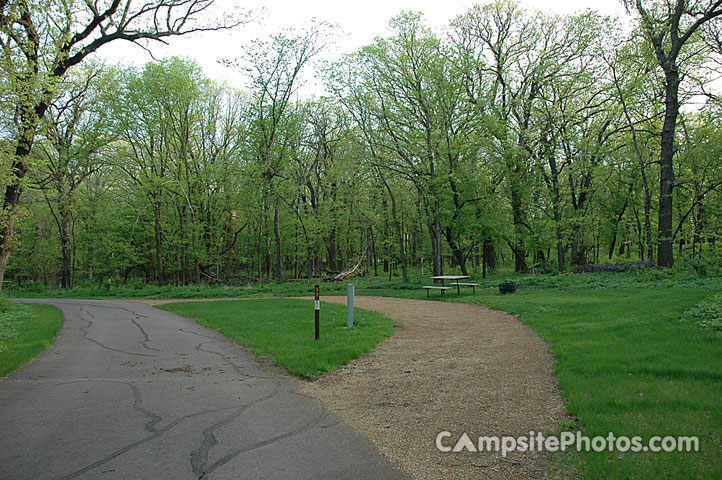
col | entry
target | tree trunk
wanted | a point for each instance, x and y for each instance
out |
(278, 260)
(66, 247)
(561, 255)
(518, 247)
(158, 238)
(665, 253)
(579, 249)
(456, 250)
(397, 228)
(12, 196)
(438, 265)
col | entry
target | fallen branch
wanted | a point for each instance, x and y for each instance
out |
(616, 267)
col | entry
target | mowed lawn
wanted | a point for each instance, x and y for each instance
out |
(283, 329)
(25, 331)
(628, 365)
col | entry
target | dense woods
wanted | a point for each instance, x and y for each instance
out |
(514, 139)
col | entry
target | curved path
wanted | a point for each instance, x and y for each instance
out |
(450, 367)
(127, 391)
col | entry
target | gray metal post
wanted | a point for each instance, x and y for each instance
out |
(349, 303)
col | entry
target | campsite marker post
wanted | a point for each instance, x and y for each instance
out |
(349, 305)
(317, 308)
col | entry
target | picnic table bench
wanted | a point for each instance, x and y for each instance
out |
(472, 285)
(435, 287)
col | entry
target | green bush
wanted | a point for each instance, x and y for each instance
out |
(706, 314)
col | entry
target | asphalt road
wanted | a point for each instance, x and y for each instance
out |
(128, 391)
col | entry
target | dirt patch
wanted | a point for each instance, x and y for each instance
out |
(449, 367)
(186, 369)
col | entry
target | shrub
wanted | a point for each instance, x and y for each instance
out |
(707, 314)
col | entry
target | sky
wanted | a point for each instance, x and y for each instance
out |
(359, 22)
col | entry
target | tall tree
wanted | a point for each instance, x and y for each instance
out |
(275, 70)
(669, 26)
(74, 131)
(41, 40)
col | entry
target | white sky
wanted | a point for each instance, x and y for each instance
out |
(359, 22)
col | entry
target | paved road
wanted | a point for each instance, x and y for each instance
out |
(131, 392)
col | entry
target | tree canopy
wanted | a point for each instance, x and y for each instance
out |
(514, 139)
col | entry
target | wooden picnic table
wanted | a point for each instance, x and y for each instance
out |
(451, 278)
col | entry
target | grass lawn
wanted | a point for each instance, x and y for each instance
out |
(628, 365)
(25, 331)
(283, 329)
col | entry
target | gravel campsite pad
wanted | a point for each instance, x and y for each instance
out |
(449, 367)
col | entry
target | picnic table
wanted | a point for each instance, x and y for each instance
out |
(455, 278)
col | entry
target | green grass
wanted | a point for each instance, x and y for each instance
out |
(646, 278)
(639, 352)
(25, 331)
(628, 365)
(283, 329)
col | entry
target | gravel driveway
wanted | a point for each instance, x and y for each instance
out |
(450, 367)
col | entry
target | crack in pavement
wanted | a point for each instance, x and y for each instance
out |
(264, 443)
(237, 368)
(137, 401)
(199, 456)
(145, 335)
(100, 344)
(134, 321)
(115, 307)
(137, 443)
(197, 334)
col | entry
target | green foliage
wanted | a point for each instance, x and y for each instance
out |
(284, 331)
(25, 331)
(698, 266)
(463, 149)
(706, 314)
(11, 316)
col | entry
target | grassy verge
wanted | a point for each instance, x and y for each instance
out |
(283, 329)
(25, 331)
(629, 365)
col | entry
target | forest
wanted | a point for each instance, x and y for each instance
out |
(512, 140)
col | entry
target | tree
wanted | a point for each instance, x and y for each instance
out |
(41, 41)
(276, 65)
(502, 46)
(74, 131)
(632, 77)
(669, 26)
